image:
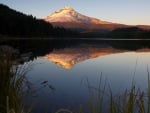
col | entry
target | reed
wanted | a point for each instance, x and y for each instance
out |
(132, 100)
(12, 80)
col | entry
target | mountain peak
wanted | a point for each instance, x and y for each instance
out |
(68, 8)
(64, 11)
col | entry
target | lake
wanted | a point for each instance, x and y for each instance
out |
(66, 74)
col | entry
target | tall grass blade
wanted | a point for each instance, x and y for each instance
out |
(148, 91)
(12, 81)
(141, 105)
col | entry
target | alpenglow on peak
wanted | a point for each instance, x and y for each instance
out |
(68, 8)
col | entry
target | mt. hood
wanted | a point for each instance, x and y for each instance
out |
(69, 18)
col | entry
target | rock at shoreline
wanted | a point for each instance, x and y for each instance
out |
(6, 50)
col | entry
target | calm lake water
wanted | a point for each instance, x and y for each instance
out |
(66, 74)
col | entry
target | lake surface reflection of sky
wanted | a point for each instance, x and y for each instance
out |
(58, 87)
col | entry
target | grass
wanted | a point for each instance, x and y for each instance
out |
(132, 100)
(12, 80)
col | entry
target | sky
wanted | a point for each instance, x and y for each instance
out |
(131, 12)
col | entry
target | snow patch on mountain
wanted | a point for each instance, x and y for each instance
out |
(68, 14)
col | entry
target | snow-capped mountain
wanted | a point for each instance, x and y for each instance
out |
(68, 14)
(69, 18)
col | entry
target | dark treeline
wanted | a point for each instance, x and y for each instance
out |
(13, 23)
(129, 33)
(121, 33)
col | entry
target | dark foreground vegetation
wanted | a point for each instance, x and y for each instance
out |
(12, 83)
(17, 24)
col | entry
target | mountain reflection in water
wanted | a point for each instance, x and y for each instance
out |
(68, 57)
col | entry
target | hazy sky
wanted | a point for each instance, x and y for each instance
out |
(120, 11)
